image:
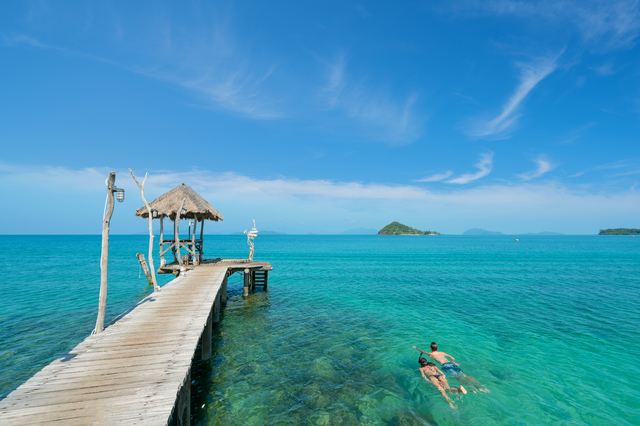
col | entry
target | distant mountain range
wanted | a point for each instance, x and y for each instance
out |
(478, 231)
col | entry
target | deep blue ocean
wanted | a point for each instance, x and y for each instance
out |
(550, 325)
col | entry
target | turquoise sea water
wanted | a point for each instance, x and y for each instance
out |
(551, 325)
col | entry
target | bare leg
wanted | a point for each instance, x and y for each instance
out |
(445, 384)
(436, 383)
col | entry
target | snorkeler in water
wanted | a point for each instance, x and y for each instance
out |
(432, 374)
(449, 366)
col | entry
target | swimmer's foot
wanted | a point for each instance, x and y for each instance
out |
(464, 391)
(485, 390)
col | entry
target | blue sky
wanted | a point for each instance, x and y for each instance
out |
(513, 116)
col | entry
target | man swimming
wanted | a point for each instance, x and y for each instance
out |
(452, 368)
(432, 374)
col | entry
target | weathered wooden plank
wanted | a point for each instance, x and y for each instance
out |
(134, 370)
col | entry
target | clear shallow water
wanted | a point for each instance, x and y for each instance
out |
(551, 325)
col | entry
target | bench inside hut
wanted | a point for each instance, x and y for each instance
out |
(181, 202)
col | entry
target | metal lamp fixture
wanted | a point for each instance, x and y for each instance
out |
(154, 213)
(119, 194)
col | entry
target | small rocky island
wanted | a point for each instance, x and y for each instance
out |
(620, 231)
(396, 228)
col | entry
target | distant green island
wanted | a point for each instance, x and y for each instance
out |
(396, 228)
(620, 231)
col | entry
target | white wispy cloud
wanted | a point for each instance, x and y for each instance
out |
(604, 25)
(530, 75)
(206, 59)
(324, 203)
(543, 166)
(621, 164)
(436, 177)
(391, 115)
(335, 81)
(485, 165)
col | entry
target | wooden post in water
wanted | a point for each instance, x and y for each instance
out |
(206, 338)
(247, 276)
(223, 291)
(182, 414)
(216, 310)
(153, 272)
(145, 268)
(253, 281)
(266, 278)
(104, 257)
(176, 236)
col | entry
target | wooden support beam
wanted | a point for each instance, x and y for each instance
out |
(162, 261)
(216, 310)
(193, 237)
(223, 291)
(247, 279)
(145, 268)
(182, 413)
(253, 280)
(206, 338)
(176, 236)
(266, 278)
(201, 240)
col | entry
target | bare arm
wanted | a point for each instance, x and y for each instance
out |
(422, 352)
(447, 355)
(414, 347)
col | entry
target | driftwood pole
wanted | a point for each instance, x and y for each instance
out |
(176, 237)
(162, 261)
(104, 257)
(153, 271)
(145, 268)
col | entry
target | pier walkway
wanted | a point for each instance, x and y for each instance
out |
(137, 371)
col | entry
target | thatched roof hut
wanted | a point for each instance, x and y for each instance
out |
(168, 204)
(196, 208)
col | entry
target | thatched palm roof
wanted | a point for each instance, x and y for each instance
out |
(168, 203)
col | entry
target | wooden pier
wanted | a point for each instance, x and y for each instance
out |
(137, 371)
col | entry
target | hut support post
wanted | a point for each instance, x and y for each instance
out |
(151, 236)
(104, 257)
(253, 280)
(193, 238)
(201, 240)
(162, 261)
(266, 278)
(206, 337)
(223, 291)
(247, 275)
(176, 236)
(145, 268)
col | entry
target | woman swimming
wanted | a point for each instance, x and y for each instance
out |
(432, 374)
